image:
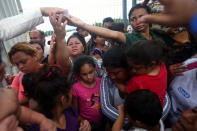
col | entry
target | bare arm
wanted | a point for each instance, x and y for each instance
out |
(118, 124)
(28, 116)
(16, 25)
(119, 36)
(62, 54)
(51, 58)
(8, 101)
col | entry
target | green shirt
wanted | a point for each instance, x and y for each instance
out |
(136, 35)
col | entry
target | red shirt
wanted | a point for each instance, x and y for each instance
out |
(156, 84)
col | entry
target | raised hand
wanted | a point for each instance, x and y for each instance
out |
(74, 21)
(58, 26)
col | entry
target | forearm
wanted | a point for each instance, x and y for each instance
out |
(62, 55)
(51, 59)
(118, 124)
(104, 32)
(26, 115)
(19, 24)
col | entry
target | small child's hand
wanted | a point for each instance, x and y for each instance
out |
(85, 126)
(177, 69)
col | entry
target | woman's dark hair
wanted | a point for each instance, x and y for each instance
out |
(115, 57)
(80, 38)
(144, 106)
(144, 52)
(80, 61)
(36, 42)
(45, 87)
(138, 6)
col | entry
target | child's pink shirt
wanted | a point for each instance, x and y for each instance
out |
(89, 101)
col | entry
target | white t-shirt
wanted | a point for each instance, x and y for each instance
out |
(182, 91)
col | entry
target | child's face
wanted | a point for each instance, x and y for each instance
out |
(87, 73)
(99, 40)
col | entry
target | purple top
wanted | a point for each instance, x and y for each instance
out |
(71, 121)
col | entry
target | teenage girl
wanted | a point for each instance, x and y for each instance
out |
(50, 89)
(145, 58)
(86, 92)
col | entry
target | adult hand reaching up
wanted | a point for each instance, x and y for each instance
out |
(72, 20)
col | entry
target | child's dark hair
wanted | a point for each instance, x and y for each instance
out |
(108, 19)
(144, 52)
(80, 61)
(36, 42)
(138, 6)
(117, 27)
(115, 57)
(144, 106)
(45, 87)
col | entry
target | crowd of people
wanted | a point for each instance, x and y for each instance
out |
(116, 81)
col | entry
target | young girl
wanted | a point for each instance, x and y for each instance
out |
(145, 59)
(100, 47)
(50, 89)
(86, 92)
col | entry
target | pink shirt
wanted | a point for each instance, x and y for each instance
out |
(17, 83)
(89, 101)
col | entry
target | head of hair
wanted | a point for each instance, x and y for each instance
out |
(82, 60)
(117, 27)
(93, 37)
(144, 106)
(46, 87)
(42, 35)
(115, 57)
(108, 19)
(138, 6)
(36, 42)
(80, 38)
(144, 52)
(22, 47)
(79, 28)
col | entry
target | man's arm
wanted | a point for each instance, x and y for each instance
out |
(16, 25)
(104, 32)
(106, 101)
